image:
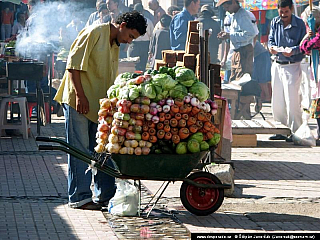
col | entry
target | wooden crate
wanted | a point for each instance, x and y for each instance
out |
(244, 140)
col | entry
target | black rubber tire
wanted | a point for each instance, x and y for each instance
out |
(200, 201)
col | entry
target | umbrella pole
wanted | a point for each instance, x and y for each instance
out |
(310, 5)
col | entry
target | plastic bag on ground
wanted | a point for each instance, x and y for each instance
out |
(303, 136)
(125, 201)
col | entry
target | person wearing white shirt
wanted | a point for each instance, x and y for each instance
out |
(241, 37)
(140, 47)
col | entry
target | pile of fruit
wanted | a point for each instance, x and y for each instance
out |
(157, 112)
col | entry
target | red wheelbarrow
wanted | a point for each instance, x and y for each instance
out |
(201, 192)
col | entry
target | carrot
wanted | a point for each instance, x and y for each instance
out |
(179, 102)
(166, 122)
(174, 108)
(153, 139)
(178, 116)
(152, 131)
(182, 123)
(201, 116)
(145, 128)
(174, 131)
(195, 110)
(160, 134)
(168, 135)
(209, 135)
(185, 116)
(151, 124)
(173, 122)
(189, 108)
(207, 126)
(193, 128)
(145, 136)
(199, 124)
(175, 139)
(191, 121)
(166, 128)
(184, 133)
(168, 116)
(162, 117)
(183, 109)
(160, 125)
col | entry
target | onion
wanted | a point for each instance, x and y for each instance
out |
(159, 108)
(153, 105)
(149, 116)
(162, 102)
(214, 111)
(170, 102)
(195, 102)
(153, 111)
(203, 106)
(166, 108)
(187, 99)
(155, 119)
(208, 108)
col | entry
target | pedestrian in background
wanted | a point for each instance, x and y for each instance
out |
(160, 40)
(312, 42)
(179, 24)
(6, 23)
(286, 31)
(206, 17)
(241, 37)
(140, 47)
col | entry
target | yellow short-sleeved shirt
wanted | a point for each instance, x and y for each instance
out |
(97, 60)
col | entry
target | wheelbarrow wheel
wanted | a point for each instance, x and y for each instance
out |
(201, 201)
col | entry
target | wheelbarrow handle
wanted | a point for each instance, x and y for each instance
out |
(46, 147)
(43, 139)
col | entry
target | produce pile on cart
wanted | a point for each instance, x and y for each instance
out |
(161, 112)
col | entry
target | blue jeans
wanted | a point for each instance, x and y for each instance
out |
(81, 133)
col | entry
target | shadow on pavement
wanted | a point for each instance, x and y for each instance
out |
(275, 170)
(252, 221)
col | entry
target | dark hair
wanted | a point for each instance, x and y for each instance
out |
(285, 3)
(173, 8)
(102, 6)
(134, 20)
(165, 20)
(188, 2)
(138, 7)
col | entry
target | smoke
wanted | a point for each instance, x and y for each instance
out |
(45, 24)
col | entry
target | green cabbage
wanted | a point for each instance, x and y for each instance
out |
(148, 90)
(112, 91)
(133, 93)
(164, 80)
(185, 76)
(178, 91)
(200, 90)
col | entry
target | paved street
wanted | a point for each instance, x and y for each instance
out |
(277, 189)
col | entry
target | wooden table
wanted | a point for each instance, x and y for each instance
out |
(231, 92)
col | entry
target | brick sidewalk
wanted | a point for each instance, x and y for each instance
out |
(277, 189)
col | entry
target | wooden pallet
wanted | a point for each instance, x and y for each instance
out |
(245, 132)
(240, 127)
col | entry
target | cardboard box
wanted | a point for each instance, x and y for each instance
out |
(171, 65)
(192, 48)
(169, 56)
(193, 26)
(159, 63)
(189, 60)
(179, 54)
(193, 38)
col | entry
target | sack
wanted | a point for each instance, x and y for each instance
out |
(303, 136)
(125, 201)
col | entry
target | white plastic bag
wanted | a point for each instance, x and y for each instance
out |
(303, 136)
(125, 201)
